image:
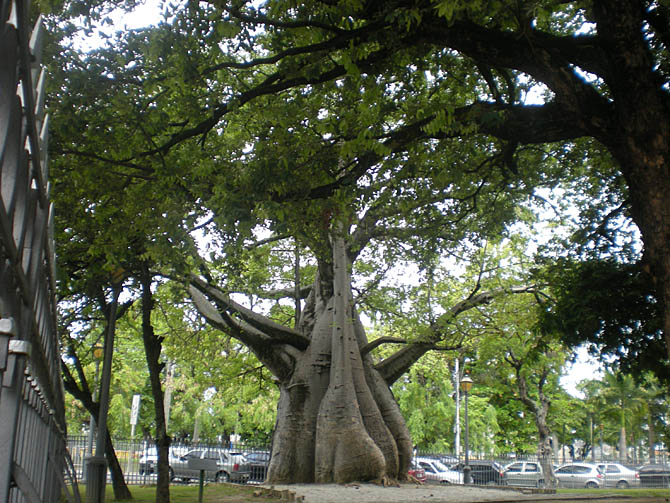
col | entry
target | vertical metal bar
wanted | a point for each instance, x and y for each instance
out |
(97, 469)
(12, 384)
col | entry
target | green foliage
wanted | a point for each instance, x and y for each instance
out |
(425, 399)
(610, 306)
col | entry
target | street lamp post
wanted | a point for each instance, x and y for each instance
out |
(96, 476)
(97, 356)
(466, 385)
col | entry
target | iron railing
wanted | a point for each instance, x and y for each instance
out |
(34, 461)
(138, 458)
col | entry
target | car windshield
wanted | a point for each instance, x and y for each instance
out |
(440, 467)
(258, 456)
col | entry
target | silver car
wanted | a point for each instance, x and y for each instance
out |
(579, 475)
(619, 476)
(524, 473)
(231, 466)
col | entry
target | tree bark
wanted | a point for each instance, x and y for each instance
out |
(651, 436)
(84, 395)
(540, 409)
(337, 420)
(152, 349)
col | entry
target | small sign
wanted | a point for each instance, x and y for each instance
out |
(135, 411)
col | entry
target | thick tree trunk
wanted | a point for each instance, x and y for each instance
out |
(639, 134)
(336, 418)
(545, 454)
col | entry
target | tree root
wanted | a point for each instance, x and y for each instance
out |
(386, 481)
(412, 478)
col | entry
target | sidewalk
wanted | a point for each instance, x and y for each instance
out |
(371, 493)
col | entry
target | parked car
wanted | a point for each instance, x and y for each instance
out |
(483, 472)
(231, 466)
(619, 476)
(579, 475)
(258, 465)
(656, 475)
(524, 473)
(438, 472)
(148, 461)
(417, 473)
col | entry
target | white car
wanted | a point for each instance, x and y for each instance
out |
(438, 472)
(149, 459)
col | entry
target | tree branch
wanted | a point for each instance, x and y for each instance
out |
(397, 364)
(274, 331)
(378, 342)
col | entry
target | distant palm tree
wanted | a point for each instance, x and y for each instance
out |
(652, 394)
(594, 406)
(624, 398)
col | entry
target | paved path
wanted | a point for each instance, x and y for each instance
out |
(412, 493)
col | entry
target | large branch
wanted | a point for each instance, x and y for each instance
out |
(523, 124)
(278, 357)
(283, 293)
(273, 331)
(393, 367)
(478, 300)
(557, 61)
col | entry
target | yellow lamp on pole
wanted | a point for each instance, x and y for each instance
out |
(98, 352)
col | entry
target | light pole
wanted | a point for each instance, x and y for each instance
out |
(97, 356)
(466, 385)
(96, 476)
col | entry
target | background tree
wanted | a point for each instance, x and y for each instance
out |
(621, 393)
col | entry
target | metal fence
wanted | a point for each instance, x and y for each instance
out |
(595, 472)
(34, 462)
(138, 458)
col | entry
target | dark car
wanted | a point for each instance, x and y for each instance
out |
(483, 472)
(258, 464)
(654, 475)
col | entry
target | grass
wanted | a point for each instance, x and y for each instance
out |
(622, 493)
(230, 493)
(213, 493)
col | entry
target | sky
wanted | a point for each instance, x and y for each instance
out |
(584, 367)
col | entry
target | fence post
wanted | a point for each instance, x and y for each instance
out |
(12, 393)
